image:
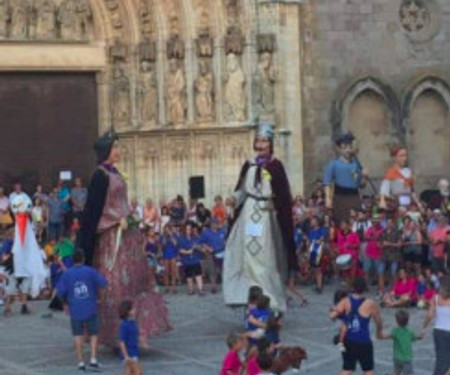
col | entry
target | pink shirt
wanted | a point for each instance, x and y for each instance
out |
(252, 366)
(439, 234)
(231, 363)
(429, 294)
(402, 287)
(373, 236)
(348, 244)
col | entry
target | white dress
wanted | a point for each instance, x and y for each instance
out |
(251, 256)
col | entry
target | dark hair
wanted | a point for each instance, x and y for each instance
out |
(359, 285)
(263, 302)
(254, 292)
(265, 361)
(78, 256)
(232, 339)
(339, 295)
(125, 308)
(263, 344)
(402, 318)
(274, 323)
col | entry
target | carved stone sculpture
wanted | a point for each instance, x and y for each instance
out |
(67, 19)
(120, 96)
(204, 92)
(148, 92)
(20, 15)
(4, 18)
(83, 19)
(45, 11)
(235, 98)
(176, 93)
(264, 85)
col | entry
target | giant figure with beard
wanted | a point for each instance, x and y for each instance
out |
(260, 249)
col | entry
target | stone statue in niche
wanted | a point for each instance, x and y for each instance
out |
(175, 48)
(4, 18)
(148, 92)
(45, 13)
(83, 19)
(67, 20)
(235, 98)
(264, 85)
(234, 41)
(204, 91)
(120, 95)
(20, 15)
(176, 93)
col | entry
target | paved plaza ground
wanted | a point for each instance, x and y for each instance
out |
(30, 345)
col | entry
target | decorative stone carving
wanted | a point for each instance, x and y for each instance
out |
(266, 43)
(147, 51)
(204, 44)
(147, 28)
(264, 81)
(67, 19)
(84, 18)
(45, 19)
(4, 18)
(234, 41)
(20, 16)
(120, 95)
(204, 91)
(114, 9)
(148, 94)
(175, 48)
(235, 98)
(118, 52)
(414, 15)
(176, 93)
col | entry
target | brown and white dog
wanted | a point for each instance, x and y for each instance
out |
(290, 357)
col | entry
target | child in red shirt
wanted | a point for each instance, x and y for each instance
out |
(232, 364)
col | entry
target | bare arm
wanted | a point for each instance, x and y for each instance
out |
(430, 315)
(124, 351)
(256, 322)
(339, 309)
(377, 319)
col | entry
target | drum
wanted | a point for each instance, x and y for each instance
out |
(344, 262)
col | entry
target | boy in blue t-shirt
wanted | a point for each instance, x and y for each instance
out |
(258, 318)
(79, 287)
(129, 338)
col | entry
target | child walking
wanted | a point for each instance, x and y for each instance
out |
(403, 338)
(129, 338)
(79, 288)
(232, 364)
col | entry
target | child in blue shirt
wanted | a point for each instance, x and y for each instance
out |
(258, 318)
(129, 338)
(79, 288)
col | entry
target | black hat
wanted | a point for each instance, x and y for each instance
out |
(346, 138)
(103, 145)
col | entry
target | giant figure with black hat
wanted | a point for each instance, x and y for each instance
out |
(115, 250)
(260, 248)
(343, 178)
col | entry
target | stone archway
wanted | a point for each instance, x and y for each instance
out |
(370, 111)
(426, 114)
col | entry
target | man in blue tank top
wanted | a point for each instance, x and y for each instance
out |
(358, 311)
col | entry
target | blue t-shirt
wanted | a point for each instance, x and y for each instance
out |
(214, 239)
(298, 236)
(79, 286)
(56, 272)
(186, 243)
(343, 174)
(129, 334)
(262, 315)
(151, 247)
(169, 247)
(7, 246)
(317, 234)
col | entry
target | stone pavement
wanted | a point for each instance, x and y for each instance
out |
(30, 345)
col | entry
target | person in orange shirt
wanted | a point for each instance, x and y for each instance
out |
(219, 211)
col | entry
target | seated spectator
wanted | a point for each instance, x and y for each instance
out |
(151, 215)
(263, 346)
(218, 212)
(401, 294)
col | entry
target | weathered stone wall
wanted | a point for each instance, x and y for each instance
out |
(399, 51)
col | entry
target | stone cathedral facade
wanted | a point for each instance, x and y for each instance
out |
(184, 81)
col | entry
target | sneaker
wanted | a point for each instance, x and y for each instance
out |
(341, 347)
(81, 366)
(94, 366)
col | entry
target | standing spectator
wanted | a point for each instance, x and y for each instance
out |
(438, 239)
(178, 211)
(316, 240)
(191, 211)
(169, 245)
(203, 215)
(433, 220)
(392, 249)
(358, 344)
(213, 241)
(17, 191)
(79, 288)
(349, 243)
(373, 236)
(136, 210)
(440, 311)
(78, 197)
(219, 211)
(55, 216)
(151, 215)
(64, 197)
(230, 204)
(412, 245)
(5, 216)
(39, 193)
(165, 217)
(38, 216)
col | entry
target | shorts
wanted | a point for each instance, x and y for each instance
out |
(412, 257)
(377, 263)
(392, 266)
(91, 325)
(403, 368)
(192, 270)
(209, 268)
(17, 285)
(356, 352)
(152, 262)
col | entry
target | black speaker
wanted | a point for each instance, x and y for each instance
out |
(197, 187)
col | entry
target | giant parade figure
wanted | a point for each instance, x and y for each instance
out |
(260, 248)
(343, 179)
(115, 249)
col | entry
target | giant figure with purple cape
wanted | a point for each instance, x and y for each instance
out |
(260, 249)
